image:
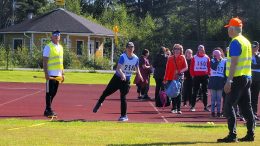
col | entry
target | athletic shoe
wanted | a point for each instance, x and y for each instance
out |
(206, 109)
(97, 106)
(242, 119)
(213, 114)
(140, 97)
(146, 97)
(49, 113)
(123, 118)
(228, 139)
(247, 138)
(174, 111)
(219, 115)
(192, 109)
(179, 112)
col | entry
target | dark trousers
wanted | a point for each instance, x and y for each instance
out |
(255, 87)
(223, 101)
(117, 84)
(51, 90)
(143, 88)
(159, 87)
(176, 102)
(239, 95)
(197, 80)
(187, 90)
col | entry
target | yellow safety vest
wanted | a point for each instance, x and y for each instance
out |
(55, 61)
(244, 60)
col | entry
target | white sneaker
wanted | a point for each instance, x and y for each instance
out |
(123, 118)
(174, 111)
(192, 109)
(179, 112)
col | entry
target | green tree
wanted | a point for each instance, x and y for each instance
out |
(24, 7)
(5, 13)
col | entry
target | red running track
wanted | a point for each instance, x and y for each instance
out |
(75, 102)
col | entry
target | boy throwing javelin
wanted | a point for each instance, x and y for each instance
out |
(128, 62)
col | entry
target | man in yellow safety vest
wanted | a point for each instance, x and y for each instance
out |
(53, 68)
(237, 87)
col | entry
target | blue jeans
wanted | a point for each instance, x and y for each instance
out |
(215, 100)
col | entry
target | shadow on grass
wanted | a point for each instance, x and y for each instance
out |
(163, 143)
(202, 126)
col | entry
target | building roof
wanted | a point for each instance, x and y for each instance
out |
(59, 19)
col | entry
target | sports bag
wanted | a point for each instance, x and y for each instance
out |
(173, 88)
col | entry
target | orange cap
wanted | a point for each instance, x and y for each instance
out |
(234, 22)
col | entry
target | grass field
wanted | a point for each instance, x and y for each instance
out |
(70, 77)
(20, 132)
(15, 132)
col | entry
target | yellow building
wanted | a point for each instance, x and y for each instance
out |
(77, 33)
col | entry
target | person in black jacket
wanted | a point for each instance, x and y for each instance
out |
(187, 85)
(159, 65)
(255, 86)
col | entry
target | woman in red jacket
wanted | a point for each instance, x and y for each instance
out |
(175, 67)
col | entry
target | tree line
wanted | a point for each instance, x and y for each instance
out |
(152, 23)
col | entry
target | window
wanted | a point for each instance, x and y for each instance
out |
(80, 46)
(91, 47)
(17, 43)
(97, 45)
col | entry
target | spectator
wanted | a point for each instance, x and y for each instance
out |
(175, 68)
(200, 71)
(187, 84)
(159, 65)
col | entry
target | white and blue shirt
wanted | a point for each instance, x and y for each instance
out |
(128, 65)
(219, 71)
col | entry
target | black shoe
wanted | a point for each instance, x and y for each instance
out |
(247, 138)
(146, 97)
(49, 113)
(97, 106)
(219, 115)
(228, 139)
(213, 114)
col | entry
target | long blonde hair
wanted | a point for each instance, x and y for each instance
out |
(178, 46)
(186, 52)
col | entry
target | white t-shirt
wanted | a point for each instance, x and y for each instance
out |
(46, 53)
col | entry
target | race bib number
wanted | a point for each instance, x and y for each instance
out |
(128, 69)
(201, 66)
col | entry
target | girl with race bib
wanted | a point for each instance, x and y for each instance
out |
(216, 81)
(200, 71)
(128, 62)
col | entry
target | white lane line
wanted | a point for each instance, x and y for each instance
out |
(19, 98)
(31, 126)
(164, 119)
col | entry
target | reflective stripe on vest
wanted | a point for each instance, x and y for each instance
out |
(244, 61)
(55, 61)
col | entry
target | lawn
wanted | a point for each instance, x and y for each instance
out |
(70, 77)
(15, 132)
